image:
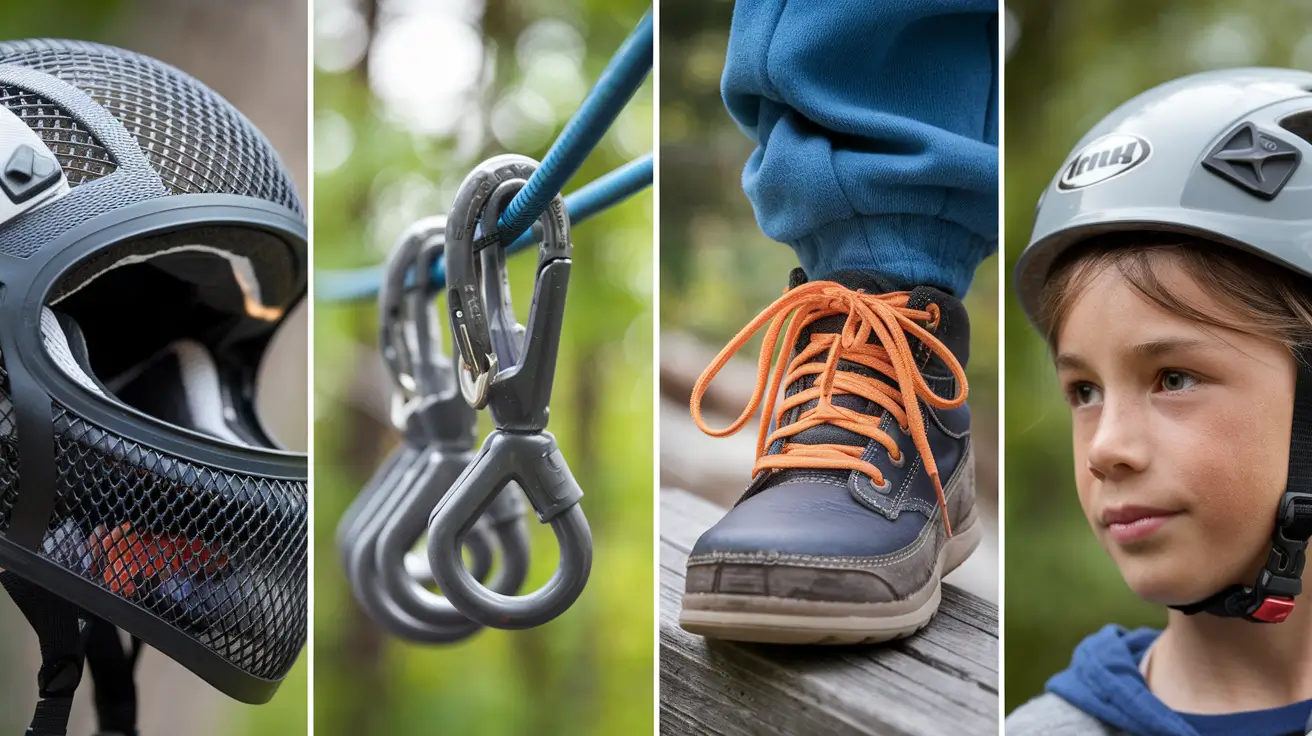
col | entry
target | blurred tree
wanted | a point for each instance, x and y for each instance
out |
(1071, 64)
(408, 98)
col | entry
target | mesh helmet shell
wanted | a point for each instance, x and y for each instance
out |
(195, 544)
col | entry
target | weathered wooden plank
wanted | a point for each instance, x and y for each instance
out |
(943, 680)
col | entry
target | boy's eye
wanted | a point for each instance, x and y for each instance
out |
(1083, 393)
(1177, 381)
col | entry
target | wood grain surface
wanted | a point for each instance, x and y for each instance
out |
(944, 680)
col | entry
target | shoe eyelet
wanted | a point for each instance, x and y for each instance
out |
(899, 461)
(935, 315)
(884, 487)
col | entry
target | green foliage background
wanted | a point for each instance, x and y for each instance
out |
(125, 23)
(1071, 64)
(590, 670)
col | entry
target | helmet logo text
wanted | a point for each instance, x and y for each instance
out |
(1104, 158)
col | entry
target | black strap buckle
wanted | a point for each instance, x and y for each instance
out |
(68, 638)
(1281, 579)
(1271, 600)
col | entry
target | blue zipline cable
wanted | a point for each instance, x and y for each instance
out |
(613, 90)
(597, 195)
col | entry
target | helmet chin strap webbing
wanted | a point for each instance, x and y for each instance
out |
(67, 638)
(1271, 600)
(112, 674)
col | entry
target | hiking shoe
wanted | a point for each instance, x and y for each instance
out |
(863, 493)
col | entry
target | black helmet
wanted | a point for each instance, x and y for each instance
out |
(151, 243)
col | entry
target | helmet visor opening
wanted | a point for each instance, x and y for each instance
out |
(177, 326)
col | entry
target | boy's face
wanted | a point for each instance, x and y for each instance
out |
(1181, 436)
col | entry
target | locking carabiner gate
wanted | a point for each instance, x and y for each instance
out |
(510, 371)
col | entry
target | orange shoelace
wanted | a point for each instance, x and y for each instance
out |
(883, 316)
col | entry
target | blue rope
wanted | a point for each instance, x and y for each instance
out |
(616, 85)
(596, 196)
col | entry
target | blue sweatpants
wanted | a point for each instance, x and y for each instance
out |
(876, 124)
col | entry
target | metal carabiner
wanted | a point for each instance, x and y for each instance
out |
(408, 334)
(405, 596)
(430, 414)
(449, 425)
(362, 572)
(517, 396)
(414, 409)
(395, 348)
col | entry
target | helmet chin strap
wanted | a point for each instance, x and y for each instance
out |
(1271, 599)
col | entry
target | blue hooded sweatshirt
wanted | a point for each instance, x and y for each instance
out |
(1104, 682)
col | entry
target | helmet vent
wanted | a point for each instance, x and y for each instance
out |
(1300, 124)
(1255, 161)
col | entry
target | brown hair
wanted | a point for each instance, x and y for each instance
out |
(1261, 297)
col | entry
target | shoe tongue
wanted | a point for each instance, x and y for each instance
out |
(870, 283)
(827, 434)
(867, 281)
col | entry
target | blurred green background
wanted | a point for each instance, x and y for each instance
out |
(408, 97)
(718, 271)
(1069, 64)
(253, 52)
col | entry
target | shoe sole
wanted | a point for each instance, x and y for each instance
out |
(742, 618)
